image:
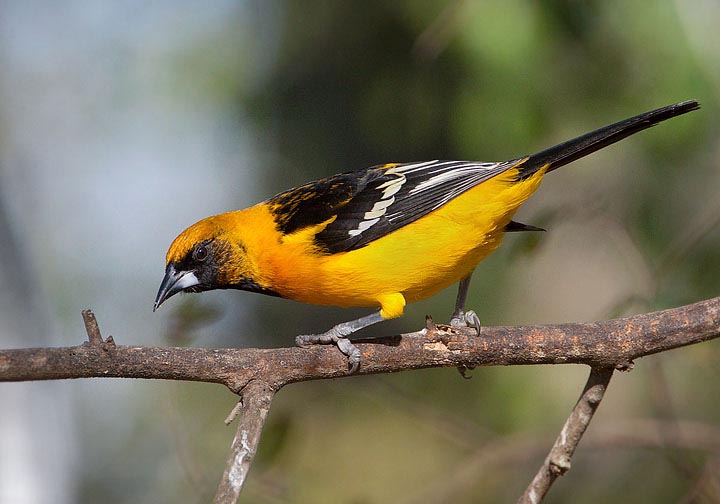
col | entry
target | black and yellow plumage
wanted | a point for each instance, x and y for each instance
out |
(381, 236)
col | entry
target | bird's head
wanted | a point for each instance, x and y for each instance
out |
(204, 257)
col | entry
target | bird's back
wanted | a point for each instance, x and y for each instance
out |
(416, 260)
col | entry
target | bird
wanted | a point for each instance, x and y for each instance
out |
(378, 237)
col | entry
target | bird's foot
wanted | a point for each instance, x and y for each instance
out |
(333, 337)
(466, 319)
(338, 336)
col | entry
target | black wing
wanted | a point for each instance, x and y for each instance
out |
(315, 202)
(369, 204)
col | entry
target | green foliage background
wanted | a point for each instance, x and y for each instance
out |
(320, 87)
(631, 229)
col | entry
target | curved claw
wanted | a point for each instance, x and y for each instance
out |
(352, 352)
(466, 319)
(338, 336)
(472, 320)
(331, 337)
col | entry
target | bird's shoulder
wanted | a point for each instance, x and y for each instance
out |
(315, 202)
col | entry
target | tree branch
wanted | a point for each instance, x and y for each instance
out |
(557, 462)
(255, 401)
(256, 374)
(611, 343)
(92, 328)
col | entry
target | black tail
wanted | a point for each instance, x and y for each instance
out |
(576, 148)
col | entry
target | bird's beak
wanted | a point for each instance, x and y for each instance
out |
(174, 282)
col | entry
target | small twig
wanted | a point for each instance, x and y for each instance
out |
(234, 413)
(255, 405)
(92, 328)
(557, 462)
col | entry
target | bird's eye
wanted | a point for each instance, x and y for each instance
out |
(200, 253)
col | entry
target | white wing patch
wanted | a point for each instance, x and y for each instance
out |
(363, 226)
(389, 189)
(458, 171)
(456, 177)
(465, 174)
(378, 209)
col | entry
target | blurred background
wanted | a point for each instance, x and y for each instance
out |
(121, 123)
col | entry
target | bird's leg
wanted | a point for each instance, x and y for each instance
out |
(338, 336)
(460, 317)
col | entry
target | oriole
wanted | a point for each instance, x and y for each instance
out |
(379, 237)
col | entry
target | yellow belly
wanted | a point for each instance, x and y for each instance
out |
(417, 260)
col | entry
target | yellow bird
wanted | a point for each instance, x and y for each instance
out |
(378, 237)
